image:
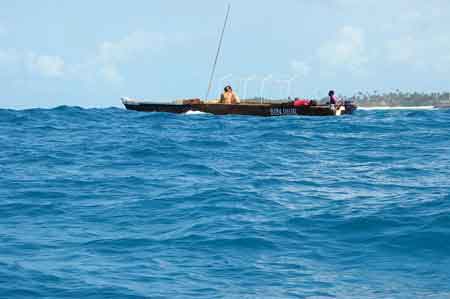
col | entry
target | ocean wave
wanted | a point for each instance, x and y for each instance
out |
(190, 112)
(108, 203)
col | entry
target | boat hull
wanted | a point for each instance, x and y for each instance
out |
(240, 109)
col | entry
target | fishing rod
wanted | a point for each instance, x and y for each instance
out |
(218, 53)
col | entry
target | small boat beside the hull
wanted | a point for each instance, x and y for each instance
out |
(281, 109)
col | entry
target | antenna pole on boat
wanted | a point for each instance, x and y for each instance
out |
(218, 53)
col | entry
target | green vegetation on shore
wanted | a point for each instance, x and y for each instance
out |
(398, 98)
(391, 99)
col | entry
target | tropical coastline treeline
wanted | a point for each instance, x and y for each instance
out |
(375, 99)
(399, 98)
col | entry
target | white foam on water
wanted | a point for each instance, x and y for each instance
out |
(398, 108)
(190, 112)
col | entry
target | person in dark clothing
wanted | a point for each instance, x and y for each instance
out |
(333, 98)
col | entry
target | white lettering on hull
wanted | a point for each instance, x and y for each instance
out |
(283, 111)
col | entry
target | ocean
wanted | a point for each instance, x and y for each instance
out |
(107, 203)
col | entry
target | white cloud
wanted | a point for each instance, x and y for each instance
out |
(407, 35)
(431, 53)
(110, 56)
(402, 50)
(346, 51)
(110, 73)
(129, 47)
(300, 68)
(18, 61)
(353, 3)
(9, 56)
(105, 62)
(47, 66)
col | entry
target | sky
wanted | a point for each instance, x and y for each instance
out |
(92, 53)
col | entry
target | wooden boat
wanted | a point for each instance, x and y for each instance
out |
(279, 109)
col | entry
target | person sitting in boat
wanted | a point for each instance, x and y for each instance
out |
(333, 99)
(229, 97)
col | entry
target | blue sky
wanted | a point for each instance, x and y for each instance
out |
(90, 53)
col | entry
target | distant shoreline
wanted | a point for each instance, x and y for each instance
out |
(387, 100)
(396, 108)
(401, 99)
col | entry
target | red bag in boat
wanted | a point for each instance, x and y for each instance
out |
(301, 102)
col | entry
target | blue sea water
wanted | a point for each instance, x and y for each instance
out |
(106, 203)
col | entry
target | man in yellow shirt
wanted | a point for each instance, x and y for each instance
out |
(229, 97)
